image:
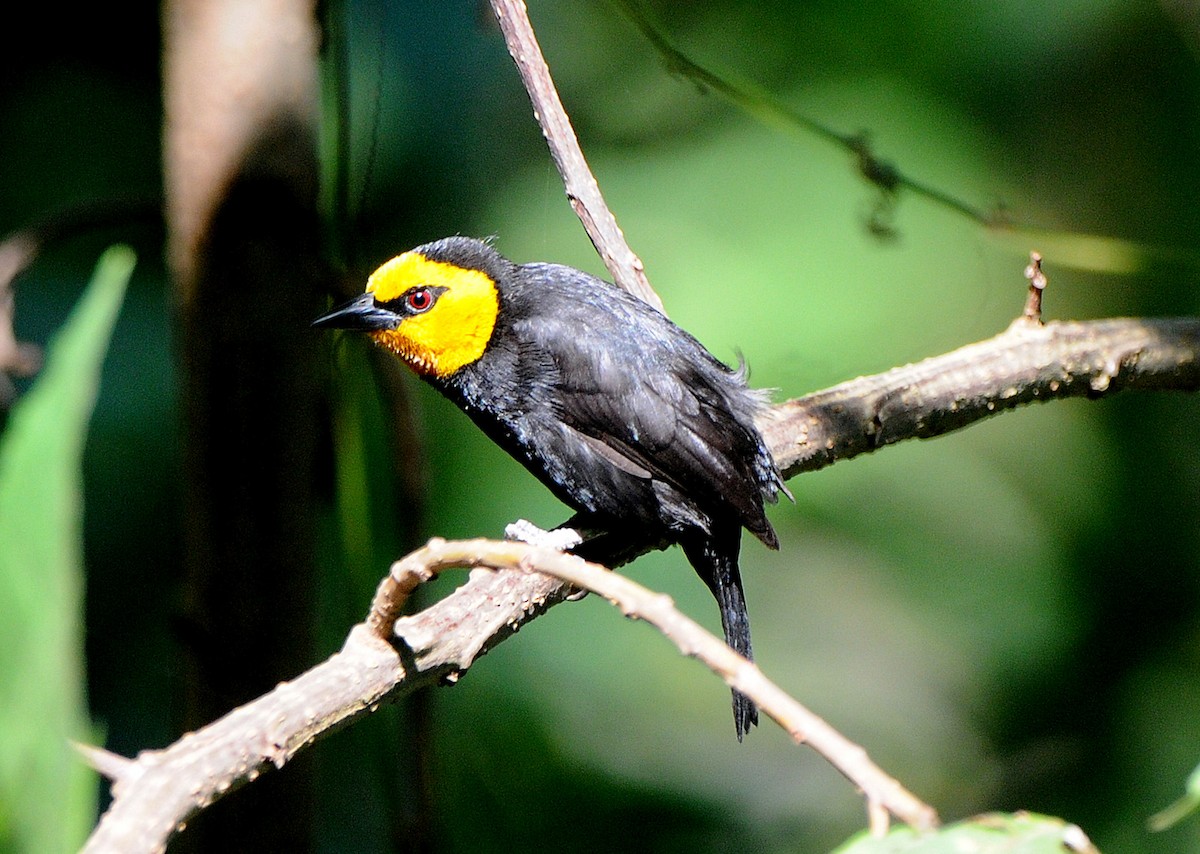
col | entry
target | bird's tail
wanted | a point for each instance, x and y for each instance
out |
(715, 559)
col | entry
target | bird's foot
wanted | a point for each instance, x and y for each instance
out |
(560, 539)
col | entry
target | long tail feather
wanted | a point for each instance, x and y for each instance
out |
(715, 559)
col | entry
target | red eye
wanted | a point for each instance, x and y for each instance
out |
(418, 300)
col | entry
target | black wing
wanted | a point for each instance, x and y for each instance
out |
(640, 404)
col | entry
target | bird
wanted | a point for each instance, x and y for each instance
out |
(623, 415)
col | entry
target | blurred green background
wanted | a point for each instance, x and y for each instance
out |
(1006, 618)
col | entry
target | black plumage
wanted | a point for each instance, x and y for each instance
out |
(624, 416)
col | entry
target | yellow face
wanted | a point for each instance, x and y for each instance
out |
(447, 312)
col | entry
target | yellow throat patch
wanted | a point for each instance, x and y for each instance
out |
(452, 334)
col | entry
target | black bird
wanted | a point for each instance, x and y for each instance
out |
(622, 414)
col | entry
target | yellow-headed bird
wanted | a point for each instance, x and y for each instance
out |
(622, 414)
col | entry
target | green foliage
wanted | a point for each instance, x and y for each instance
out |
(995, 833)
(1181, 808)
(47, 795)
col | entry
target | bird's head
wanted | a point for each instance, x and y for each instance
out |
(435, 307)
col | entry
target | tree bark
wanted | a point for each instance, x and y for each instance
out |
(241, 182)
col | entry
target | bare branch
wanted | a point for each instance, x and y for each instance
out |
(1024, 364)
(582, 189)
(171, 785)
(176, 783)
(639, 603)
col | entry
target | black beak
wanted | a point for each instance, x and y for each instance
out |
(361, 314)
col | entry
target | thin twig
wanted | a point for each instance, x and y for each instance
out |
(19, 249)
(582, 189)
(17, 358)
(113, 766)
(770, 109)
(1037, 284)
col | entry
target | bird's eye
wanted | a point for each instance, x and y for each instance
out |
(419, 300)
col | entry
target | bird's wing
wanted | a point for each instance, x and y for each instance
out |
(652, 402)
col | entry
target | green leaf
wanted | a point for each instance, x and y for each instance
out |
(47, 796)
(1010, 833)
(1182, 808)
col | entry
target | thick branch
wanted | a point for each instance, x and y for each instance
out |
(1028, 363)
(173, 784)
